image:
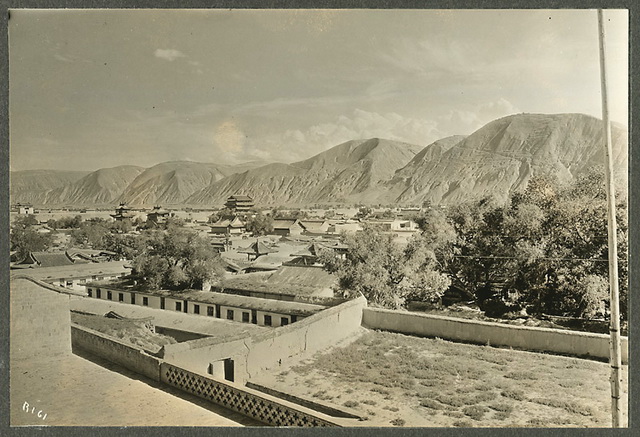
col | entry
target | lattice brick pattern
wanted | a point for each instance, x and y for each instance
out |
(249, 404)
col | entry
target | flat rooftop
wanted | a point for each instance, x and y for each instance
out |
(209, 326)
(226, 299)
(74, 271)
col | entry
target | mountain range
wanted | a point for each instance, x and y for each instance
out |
(497, 159)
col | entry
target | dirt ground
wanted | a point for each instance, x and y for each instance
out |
(87, 391)
(399, 380)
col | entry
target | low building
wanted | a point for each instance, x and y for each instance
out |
(91, 255)
(287, 283)
(158, 215)
(239, 203)
(244, 309)
(256, 250)
(287, 227)
(45, 259)
(77, 275)
(25, 208)
(228, 226)
(315, 227)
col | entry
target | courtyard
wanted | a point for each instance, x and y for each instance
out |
(398, 380)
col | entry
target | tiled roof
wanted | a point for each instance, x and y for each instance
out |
(48, 259)
(257, 248)
(284, 223)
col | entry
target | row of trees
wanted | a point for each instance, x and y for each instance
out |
(543, 251)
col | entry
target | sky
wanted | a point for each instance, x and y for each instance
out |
(91, 89)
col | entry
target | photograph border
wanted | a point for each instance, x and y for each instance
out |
(634, 155)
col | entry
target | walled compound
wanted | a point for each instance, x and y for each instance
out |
(225, 340)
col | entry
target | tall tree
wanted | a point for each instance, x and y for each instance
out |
(177, 259)
(24, 238)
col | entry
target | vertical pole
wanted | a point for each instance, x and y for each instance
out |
(614, 328)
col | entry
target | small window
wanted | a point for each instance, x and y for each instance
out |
(133, 298)
(229, 314)
(120, 297)
(284, 321)
(162, 303)
(69, 283)
(93, 278)
(90, 293)
(196, 309)
(210, 311)
(294, 319)
(98, 293)
(83, 280)
(145, 301)
(245, 317)
(178, 306)
(267, 320)
(109, 295)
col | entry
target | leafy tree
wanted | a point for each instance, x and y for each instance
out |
(24, 238)
(375, 266)
(259, 224)
(66, 222)
(364, 212)
(177, 259)
(545, 251)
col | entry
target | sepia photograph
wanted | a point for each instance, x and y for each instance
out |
(371, 218)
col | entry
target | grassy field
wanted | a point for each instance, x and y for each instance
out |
(400, 380)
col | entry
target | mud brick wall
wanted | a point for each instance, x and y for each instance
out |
(582, 344)
(40, 321)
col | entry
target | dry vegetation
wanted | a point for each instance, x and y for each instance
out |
(399, 380)
(132, 332)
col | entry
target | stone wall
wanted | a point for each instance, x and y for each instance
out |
(117, 352)
(583, 344)
(40, 321)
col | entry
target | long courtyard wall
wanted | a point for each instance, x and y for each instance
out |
(274, 348)
(583, 344)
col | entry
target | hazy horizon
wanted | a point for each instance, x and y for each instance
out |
(94, 89)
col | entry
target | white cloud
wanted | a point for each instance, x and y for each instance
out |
(297, 144)
(466, 121)
(169, 54)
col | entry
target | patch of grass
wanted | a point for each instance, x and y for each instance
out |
(462, 424)
(501, 415)
(519, 376)
(568, 406)
(476, 412)
(394, 409)
(536, 421)
(453, 413)
(502, 407)
(515, 394)
(369, 402)
(485, 396)
(429, 403)
(398, 422)
(351, 404)
(379, 390)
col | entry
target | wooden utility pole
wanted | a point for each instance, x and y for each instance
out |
(614, 304)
